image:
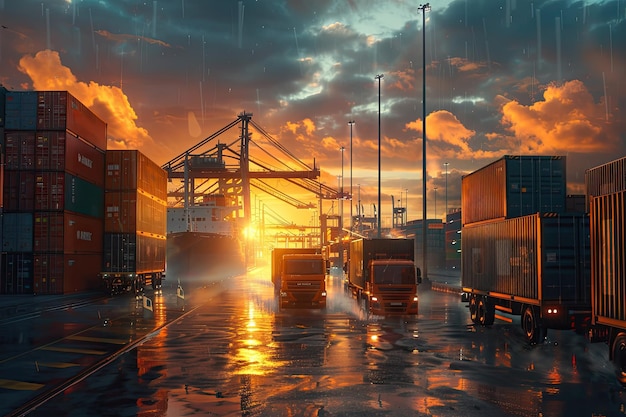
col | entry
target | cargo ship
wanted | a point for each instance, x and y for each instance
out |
(203, 242)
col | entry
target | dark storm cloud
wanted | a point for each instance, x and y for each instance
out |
(503, 76)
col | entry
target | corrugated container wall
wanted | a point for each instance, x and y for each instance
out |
(62, 151)
(20, 110)
(60, 110)
(606, 179)
(514, 186)
(539, 257)
(17, 232)
(16, 273)
(131, 170)
(66, 232)
(128, 252)
(606, 194)
(62, 273)
(131, 211)
(3, 97)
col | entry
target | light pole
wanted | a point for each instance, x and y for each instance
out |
(406, 205)
(446, 165)
(424, 8)
(435, 202)
(378, 77)
(351, 123)
(341, 188)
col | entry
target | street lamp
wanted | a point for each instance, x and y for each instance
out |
(341, 188)
(424, 8)
(446, 165)
(378, 77)
(351, 123)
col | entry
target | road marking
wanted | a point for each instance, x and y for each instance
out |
(19, 385)
(60, 365)
(98, 339)
(74, 350)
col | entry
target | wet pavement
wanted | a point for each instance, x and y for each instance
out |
(233, 353)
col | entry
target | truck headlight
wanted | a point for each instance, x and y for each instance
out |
(374, 299)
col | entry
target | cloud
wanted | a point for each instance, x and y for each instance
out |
(107, 102)
(567, 119)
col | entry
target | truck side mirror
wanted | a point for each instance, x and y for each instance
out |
(418, 273)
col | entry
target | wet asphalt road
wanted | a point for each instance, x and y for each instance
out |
(233, 353)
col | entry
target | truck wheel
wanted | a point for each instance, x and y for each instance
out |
(486, 312)
(619, 357)
(533, 331)
(473, 309)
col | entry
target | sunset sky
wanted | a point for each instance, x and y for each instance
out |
(503, 77)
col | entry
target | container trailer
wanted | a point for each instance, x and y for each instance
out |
(535, 266)
(299, 277)
(606, 195)
(382, 275)
(135, 216)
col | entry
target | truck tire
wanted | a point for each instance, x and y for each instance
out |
(486, 312)
(618, 350)
(473, 309)
(534, 332)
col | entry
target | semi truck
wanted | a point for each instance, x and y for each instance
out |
(606, 197)
(382, 275)
(299, 277)
(535, 266)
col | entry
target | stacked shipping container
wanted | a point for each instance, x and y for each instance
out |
(53, 194)
(523, 252)
(135, 221)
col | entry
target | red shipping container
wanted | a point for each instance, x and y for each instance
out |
(50, 191)
(67, 232)
(62, 151)
(66, 273)
(131, 170)
(19, 191)
(60, 110)
(19, 149)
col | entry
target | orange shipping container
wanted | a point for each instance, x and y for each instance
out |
(131, 170)
(67, 232)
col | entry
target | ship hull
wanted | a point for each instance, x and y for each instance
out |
(203, 256)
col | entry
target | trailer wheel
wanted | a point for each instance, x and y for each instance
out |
(619, 357)
(534, 332)
(473, 309)
(486, 312)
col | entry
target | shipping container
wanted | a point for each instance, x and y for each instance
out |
(60, 191)
(17, 232)
(606, 179)
(133, 252)
(132, 211)
(60, 110)
(536, 266)
(606, 193)
(62, 151)
(19, 191)
(67, 232)
(3, 97)
(16, 273)
(514, 186)
(20, 110)
(62, 273)
(19, 149)
(575, 203)
(131, 170)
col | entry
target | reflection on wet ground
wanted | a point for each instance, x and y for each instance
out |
(238, 355)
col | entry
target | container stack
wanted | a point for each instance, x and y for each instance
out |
(519, 239)
(53, 194)
(135, 219)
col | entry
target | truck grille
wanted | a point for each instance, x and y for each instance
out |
(395, 300)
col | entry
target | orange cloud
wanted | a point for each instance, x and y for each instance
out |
(107, 102)
(566, 120)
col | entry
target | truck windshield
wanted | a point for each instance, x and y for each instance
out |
(304, 267)
(391, 274)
